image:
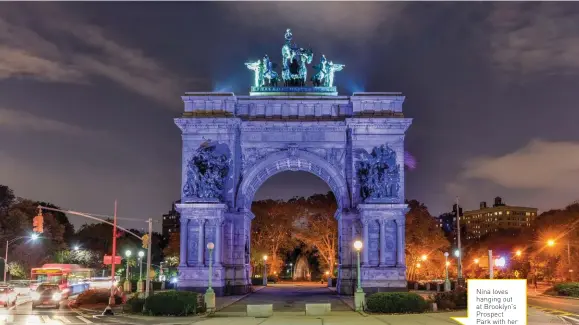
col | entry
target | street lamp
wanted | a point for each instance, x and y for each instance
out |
(265, 270)
(476, 260)
(446, 281)
(550, 243)
(292, 270)
(518, 252)
(127, 285)
(424, 257)
(359, 295)
(140, 285)
(34, 237)
(210, 294)
(76, 248)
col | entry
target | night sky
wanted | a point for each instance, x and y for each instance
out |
(88, 93)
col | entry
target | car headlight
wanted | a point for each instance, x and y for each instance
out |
(35, 295)
(57, 296)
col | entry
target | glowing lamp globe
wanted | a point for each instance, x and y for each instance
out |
(210, 246)
(445, 254)
(141, 253)
(265, 257)
(128, 253)
(358, 245)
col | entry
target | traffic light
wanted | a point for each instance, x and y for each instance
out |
(146, 241)
(38, 222)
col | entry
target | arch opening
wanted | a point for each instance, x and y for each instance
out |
(295, 226)
(279, 162)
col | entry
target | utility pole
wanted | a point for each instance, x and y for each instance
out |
(148, 282)
(460, 279)
(112, 297)
(569, 260)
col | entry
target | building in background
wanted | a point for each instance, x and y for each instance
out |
(171, 222)
(486, 220)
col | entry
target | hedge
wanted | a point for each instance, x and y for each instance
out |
(455, 299)
(172, 303)
(396, 302)
(134, 305)
(570, 289)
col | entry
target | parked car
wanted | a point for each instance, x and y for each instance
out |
(7, 296)
(47, 294)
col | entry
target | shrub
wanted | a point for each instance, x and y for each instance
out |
(455, 299)
(92, 296)
(134, 305)
(570, 289)
(172, 303)
(396, 302)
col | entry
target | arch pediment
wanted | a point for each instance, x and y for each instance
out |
(291, 159)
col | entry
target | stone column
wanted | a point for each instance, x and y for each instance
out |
(382, 242)
(231, 243)
(366, 243)
(400, 240)
(184, 233)
(218, 247)
(201, 243)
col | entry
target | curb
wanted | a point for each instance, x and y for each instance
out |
(560, 297)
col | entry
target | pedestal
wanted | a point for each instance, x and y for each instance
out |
(447, 285)
(360, 300)
(127, 286)
(140, 286)
(196, 279)
(210, 300)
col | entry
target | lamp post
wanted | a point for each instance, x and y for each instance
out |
(140, 285)
(265, 270)
(446, 281)
(8, 242)
(359, 295)
(127, 285)
(210, 294)
(292, 270)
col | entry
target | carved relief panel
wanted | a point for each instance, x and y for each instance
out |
(192, 243)
(390, 237)
(209, 238)
(373, 242)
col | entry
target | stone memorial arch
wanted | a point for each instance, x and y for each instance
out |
(233, 144)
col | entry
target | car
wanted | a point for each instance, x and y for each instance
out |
(7, 296)
(47, 295)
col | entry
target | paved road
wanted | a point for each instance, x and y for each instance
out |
(289, 298)
(567, 309)
(23, 314)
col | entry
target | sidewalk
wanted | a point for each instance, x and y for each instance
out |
(124, 318)
(346, 318)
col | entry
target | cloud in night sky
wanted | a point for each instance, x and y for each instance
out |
(535, 37)
(80, 51)
(88, 93)
(26, 122)
(540, 165)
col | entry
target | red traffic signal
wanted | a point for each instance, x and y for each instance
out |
(38, 223)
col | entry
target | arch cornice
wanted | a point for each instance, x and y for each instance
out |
(291, 160)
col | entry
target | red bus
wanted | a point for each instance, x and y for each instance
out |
(72, 279)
